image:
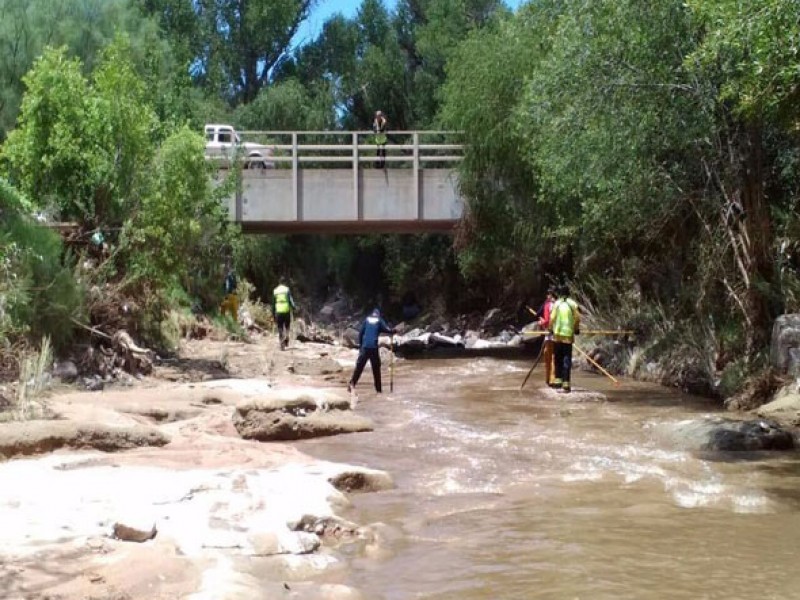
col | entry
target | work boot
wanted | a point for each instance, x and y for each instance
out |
(349, 388)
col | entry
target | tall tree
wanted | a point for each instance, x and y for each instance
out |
(83, 26)
(234, 45)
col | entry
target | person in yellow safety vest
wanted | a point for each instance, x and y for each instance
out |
(282, 307)
(545, 314)
(230, 303)
(565, 322)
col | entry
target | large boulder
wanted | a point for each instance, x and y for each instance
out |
(785, 347)
(297, 413)
(785, 407)
(333, 311)
(350, 337)
(727, 435)
(748, 436)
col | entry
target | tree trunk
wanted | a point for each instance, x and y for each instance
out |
(755, 232)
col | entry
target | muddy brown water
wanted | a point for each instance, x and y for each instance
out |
(502, 494)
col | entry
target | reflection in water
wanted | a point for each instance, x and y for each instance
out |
(502, 494)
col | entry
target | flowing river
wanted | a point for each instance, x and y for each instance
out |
(502, 494)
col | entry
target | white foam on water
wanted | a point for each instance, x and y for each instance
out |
(459, 480)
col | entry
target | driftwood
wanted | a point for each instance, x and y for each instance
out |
(123, 354)
(136, 359)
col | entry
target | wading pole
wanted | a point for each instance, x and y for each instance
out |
(391, 366)
(536, 362)
(596, 364)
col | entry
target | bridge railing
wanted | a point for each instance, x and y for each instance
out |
(349, 149)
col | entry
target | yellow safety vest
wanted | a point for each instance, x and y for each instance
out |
(281, 294)
(564, 320)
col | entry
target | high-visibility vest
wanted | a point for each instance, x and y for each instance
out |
(281, 294)
(563, 318)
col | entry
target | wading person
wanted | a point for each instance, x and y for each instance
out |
(371, 328)
(565, 320)
(548, 351)
(282, 307)
(379, 128)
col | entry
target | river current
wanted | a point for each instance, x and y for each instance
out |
(507, 494)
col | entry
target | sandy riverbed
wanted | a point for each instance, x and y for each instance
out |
(234, 519)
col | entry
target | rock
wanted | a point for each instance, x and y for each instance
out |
(299, 541)
(333, 311)
(361, 480)
(135, 530)
(437, 339)
(727, 435)
(65, 371)
(350, 337)
(785, 407)
(470, 337)
(327, 527)
(748, 436)
(414, 341)
(785, 345)
(35, 437)
(93, 384)
(437, 326)
(492, 319)
(297, 413)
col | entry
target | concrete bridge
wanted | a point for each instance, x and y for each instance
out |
(328, 182)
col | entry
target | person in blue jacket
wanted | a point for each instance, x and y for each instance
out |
(371, 328)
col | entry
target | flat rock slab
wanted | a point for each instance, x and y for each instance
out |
(36, 437)
(297, 413)
(785, 408)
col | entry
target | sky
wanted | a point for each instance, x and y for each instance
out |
(325, 8)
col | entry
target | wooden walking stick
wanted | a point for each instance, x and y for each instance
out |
(391, 366)
(536, 362)
(596, 364)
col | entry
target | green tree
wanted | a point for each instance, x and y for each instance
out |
(85, 27)
(232, 46)
(82, 147)
(38, 294)
(180, 231)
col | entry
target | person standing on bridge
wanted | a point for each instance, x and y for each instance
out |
(379, 125)
(282, 307)
(565, 321)
(372, 327)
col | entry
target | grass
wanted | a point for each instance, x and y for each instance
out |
(34, 378)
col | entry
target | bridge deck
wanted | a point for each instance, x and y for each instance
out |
(339, 190)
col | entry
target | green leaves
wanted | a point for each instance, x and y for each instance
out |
(753, 50)
(82, 146)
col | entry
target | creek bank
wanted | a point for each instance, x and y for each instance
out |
(207, 513)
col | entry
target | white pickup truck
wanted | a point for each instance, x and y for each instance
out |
(225, 145)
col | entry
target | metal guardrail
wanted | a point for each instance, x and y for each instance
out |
(416, 149)
(295, 155)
